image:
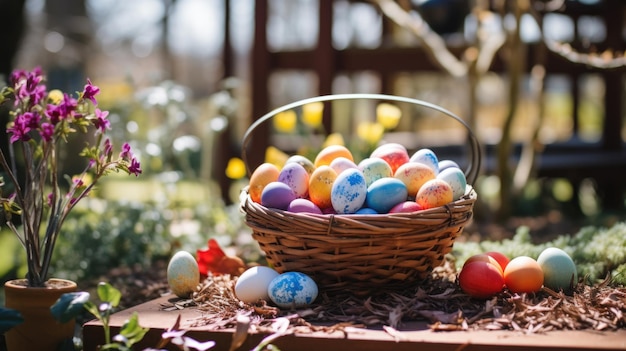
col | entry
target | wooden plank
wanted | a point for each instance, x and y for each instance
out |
(414, 336)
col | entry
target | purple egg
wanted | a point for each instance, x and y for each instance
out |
(277, 195)
(297, 177)
(303, 205)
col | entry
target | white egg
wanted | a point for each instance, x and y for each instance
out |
(252, 284)
(292, 289)
(183, 275)
(456, 178)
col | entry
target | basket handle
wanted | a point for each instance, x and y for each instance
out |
(473, 166)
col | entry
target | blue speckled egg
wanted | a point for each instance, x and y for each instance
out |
(349, 191)
(456, 178)
(385, 193)
(292, 289)
(374, 168)
(427, 157)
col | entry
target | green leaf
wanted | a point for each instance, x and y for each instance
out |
(93, 309)
(132, 331)
(9, 318)
(69, 305)
(107, 293)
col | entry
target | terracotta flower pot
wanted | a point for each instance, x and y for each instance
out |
(40, 331)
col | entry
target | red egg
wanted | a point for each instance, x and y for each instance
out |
(393, 153)
(502, 259)
(481, 279)
(484, 258)
(523, 275)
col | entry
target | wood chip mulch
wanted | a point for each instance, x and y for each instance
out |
(438, 300)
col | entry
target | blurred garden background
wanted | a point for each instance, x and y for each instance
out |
(184, 79)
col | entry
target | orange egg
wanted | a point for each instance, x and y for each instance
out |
(481, 279)
(262, 175)
(320, 186)
(331, 152)
(434, 193)
(414, 175)
(483, 258)
(523, 275)
(502, 259)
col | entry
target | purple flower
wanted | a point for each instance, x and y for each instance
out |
(47, 131)
(101, 123)
(135, 167)
(90, 92)
(108, 147)
(28, 86)
(126, 154)
(21, 127)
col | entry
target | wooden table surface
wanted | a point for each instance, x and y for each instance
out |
(413, 336)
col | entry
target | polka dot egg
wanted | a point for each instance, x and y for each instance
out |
(292, 290)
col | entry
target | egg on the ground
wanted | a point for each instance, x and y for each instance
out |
(252, 284)
(183, 275)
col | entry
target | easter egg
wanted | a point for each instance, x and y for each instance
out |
(183, 274)
(303, 161)
(349, 191)
(481, 279)
(341, 163)
(559, 270)
(331, 152)
(374, 168)
(296, 177)
(414, 175)
(292, 289)
(393, 153)
(365, 211)
(277, 195)
(252, 284)
(484, 258)
(502, 259)
(262, 175)
(427, 157)
(303, 205)
(523, 275)
(385, 193)
(443, 164)
(456, 178)
(320, 186)
(406, 207)
(434, 193)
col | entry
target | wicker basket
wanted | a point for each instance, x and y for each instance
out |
(361, 254)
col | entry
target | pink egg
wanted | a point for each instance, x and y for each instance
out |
(406, 207)
(296, 177)
(434, 193)
(340, 164)
(395, 154)
(303, 205)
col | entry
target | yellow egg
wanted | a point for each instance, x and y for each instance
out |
(434, 193)
(329, 153)
(414, 175)
(320, 186)
(262, 175)
(183, 274)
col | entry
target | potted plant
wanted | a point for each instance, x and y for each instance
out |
(36, 199)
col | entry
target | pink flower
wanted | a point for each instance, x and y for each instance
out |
(90, 92)
(101, 123)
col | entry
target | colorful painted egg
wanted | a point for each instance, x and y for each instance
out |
(523, 275)
(434, 193)
(414, 175)
(456, 178)
(443, 164)
(331, 152)
(277, 195)
(393, 153)
(296, 177)
(183, 274)
(341, 163)
(365, 211)
(427, 157)
(303, 161)
(320, 186)
(262, 175)
(406, 207)
(292, 290)
(349, 191)
(559, 270)
(252, 284)
(374, 168)
(385, 193)
(303, 205)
